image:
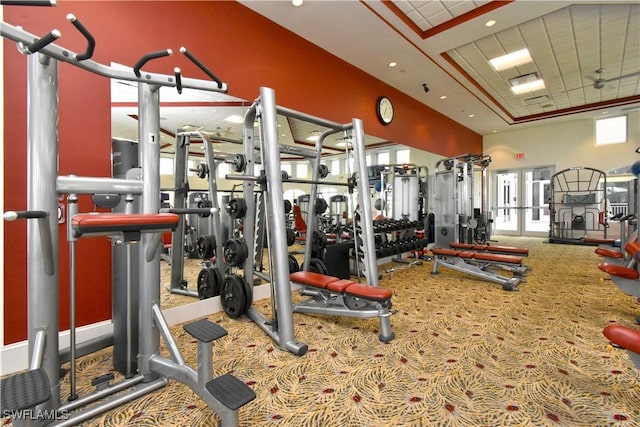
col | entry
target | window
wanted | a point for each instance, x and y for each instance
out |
(383, 158)
(368, 160)
(302, 169)
(611, 130)
(223, 169)
(335, 167)
(286, 167)
(402, 156)
(191, 164)
(166, 166)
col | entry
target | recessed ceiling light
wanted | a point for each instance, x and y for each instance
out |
(443, 97)
(392, 64)
(511, 60)
(494, 131)
(297, 3)
(471, 115)
(490, 23)
(605, 112)
(313, 138)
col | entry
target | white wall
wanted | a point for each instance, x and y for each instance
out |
(563, 145)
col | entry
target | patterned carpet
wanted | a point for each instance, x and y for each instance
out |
(466, 353)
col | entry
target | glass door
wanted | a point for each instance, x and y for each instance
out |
(522, 197)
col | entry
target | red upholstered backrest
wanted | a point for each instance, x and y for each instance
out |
(624, 337)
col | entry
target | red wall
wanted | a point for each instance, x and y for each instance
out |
(242, 48)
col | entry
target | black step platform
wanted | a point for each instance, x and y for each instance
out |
(230, 391)
(24, 390)
(204, 330)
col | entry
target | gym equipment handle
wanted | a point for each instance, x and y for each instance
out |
(45, 233)
(27, 2)
(149, 56)
(200, 65)
(177, 73)
(43, 41)
(91, 42)
(185, 211)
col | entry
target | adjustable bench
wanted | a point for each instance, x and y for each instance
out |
(625, 276)
(509, 250)
(479, 264)
(130, 225)
(343, 297)
(626, 338)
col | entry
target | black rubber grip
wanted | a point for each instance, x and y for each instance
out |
(91, 42)
(201, 66)
(149, 56)
(27, 2)
(176, 72)
(43, 41)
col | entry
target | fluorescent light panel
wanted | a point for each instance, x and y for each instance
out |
(511, 60)
(526, 83)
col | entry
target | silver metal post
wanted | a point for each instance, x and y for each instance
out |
(179, 201)
(42, 164)
(72, 209)
(149, 289)
(214, 219)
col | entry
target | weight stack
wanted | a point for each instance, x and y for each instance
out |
(124, 154)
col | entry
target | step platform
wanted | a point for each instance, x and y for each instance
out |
(230, 391)
(204, 330)
(24, 390)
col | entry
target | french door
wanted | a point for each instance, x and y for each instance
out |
(522, 201)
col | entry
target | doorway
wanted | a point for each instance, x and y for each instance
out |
(521, 201)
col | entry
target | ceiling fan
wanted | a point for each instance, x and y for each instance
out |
(599, 82)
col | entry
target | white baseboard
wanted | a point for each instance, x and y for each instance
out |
(15, 357)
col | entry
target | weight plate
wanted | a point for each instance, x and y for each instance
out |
(294, 266)
(291, 237)
(321, 206)
(208, 285)
(236, 208)
(317, 266)
(239, 163)
(287, 206)
(235, 296)
(235, 252)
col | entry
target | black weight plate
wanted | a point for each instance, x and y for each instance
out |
(248, 291)
(294, 266)
(321, 206)
(233, 296)
(235, 252)
(201, 247)
(211, 246)
(317, 266)
(237, 208)
(206, 283)
(291, 237)
(218, 280)
(287, 206)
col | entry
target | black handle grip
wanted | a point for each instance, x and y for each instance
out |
(149, 56)
(27, 2)
(43, 41)
(13, 215)
(91, 42)
(200, 65)
(176, 72)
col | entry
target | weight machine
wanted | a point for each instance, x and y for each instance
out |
(576, 208)
(236, 295)
(39, 387)
(404, 192)
(458, 218)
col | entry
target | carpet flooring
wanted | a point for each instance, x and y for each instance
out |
(466, 353)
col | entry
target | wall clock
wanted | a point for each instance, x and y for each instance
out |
(384, 110)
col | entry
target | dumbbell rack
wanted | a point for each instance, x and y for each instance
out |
(395, 237)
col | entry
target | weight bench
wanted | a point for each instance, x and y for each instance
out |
(626, 338)
(479, 264)
(508, 250)
(343, 297)
(129, 225)
(625, 276)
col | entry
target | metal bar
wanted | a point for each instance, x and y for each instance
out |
(149, 289)
(163, 326)
(179, 202)
(65, 55)
(90, 185)
(42, 166)
(38, 350)
(312, 119)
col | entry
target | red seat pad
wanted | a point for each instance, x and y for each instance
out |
(467, 254)
(509, 249)
(608, 253)
(114, 222)
(340, 285)
(632, 247)
(599, 241)
(624, 337)
(312, 279)
(445, 252)
(619, 271)
(369, 292)
(461, 245)
(508, 259)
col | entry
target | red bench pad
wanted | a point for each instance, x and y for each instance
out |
(340, 285)
(310, 278)
(369, 292)
(488, 248)
(624, 337)
(632, 247)
(619, 271)
(507, 259)
(608, 253)
(598, 241)
(116, 222)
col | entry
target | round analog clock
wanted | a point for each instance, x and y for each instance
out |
(384, 110)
